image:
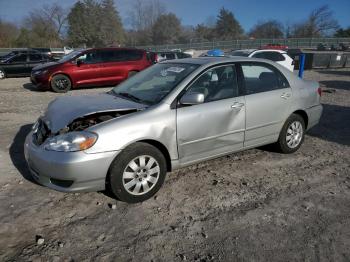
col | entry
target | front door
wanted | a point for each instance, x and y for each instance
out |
(268, 97)
(17, 65)
(87, 72)
(216, 126)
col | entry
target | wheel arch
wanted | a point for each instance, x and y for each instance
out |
(61, 73)
(162, 148)
(304, 115)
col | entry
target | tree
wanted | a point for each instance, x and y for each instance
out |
(342, 32)
(166, 30)
(204, 32)
(112, 31)
(142, 17)
(227, 27)
(268, 29)
(8, 34)
(319, 23)
(91, 23)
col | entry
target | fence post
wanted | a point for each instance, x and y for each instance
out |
(301, 65)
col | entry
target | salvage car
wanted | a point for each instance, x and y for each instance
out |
(278, 56)
(90, 67)
(171, 115)
(21, 64)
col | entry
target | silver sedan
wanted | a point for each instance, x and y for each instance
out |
(171, 115)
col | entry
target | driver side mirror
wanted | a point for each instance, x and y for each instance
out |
(192, 99)
(79, 62)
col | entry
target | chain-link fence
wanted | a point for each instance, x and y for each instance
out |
(251, 43)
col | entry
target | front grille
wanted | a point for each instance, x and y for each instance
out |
(41, 134)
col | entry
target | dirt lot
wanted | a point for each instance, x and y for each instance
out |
(251, 206)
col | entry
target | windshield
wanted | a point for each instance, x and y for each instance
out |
(241, 53)
(153, 84)
(71, 55)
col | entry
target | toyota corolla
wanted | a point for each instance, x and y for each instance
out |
(173, 114)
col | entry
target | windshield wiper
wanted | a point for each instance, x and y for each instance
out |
(130, 96)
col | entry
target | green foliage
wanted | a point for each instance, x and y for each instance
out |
(343, 32)
(227, 27)
(166, 29)
(268, 29)
(92, 23)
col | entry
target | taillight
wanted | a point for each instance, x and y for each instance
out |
(319, 91)
(156, 58)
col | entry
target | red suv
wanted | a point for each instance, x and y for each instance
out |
(91, 67)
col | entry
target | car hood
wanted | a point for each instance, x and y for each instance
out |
(64, 110)
(46, 66)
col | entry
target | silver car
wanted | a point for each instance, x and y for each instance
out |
(173, 114)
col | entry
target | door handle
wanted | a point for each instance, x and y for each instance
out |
(237, 105)
(286, 95)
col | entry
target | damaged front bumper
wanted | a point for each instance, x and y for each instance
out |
(68, 171)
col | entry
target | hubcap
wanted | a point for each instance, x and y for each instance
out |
(141, 175)
(61, 83)
(2, 74)
(294, 134)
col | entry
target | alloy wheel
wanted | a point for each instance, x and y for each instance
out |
(294, 134)
(141, 175)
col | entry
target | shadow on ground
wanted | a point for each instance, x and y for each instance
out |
(31, 87)
(334, 72)
(336, 84)
(334, 125)
(17, 152)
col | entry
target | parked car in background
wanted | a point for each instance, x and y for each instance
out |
(323, 47)
(60, 53)
(90, 67)
(170, 55)
(278, 56)
(46, 51)
(21, 64)
(274, 46)
(128, 138)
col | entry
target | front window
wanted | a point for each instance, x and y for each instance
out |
(153, 84)
(70, 56)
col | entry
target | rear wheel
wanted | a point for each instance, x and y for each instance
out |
(292, 134)
(61, 83)
(2, 74)
(137, 173)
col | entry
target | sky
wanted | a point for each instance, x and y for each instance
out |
(193, 12)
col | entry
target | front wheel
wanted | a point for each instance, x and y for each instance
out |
(292, 134)
(137, 173)
(61, 83)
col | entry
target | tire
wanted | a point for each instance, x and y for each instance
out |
(60, 83)
(2, 74)
(132, 73)
(292, 134)
(130, 177)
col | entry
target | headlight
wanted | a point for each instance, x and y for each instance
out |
(70, 142)
(39, 72)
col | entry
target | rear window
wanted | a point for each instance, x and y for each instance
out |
(273, 56)
(121, 55)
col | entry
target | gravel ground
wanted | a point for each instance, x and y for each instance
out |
(252, 206)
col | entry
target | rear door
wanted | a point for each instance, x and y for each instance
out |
(268, 98)
(216, 126)
(34, 60)
(118, 63)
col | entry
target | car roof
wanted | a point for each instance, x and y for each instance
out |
(214, 60)
(271, 50)
(112, 48)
